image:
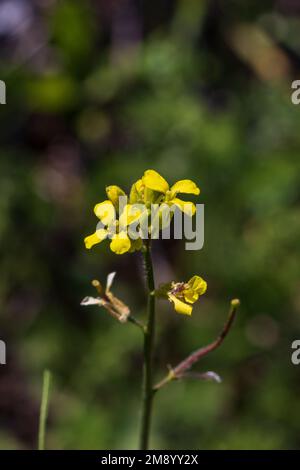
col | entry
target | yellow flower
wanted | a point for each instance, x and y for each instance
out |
(184, 294)
(152, 188)
(116, 218)
(112, 226)
(154, 182)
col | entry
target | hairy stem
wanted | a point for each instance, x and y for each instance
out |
(44, 409)
(148, 393)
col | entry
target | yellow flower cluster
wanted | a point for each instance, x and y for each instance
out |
(152, 188)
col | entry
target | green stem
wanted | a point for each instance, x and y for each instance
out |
(148, 353)
(136, 322)
(44, 409)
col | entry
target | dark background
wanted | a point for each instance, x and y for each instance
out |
(97, 92)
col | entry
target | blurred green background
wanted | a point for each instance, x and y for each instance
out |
(97, 92)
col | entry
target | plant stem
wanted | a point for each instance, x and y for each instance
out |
(44, 409)
(136, 322)
(181, 369)
(148, 393)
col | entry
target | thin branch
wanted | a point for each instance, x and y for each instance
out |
(136, 322)
(186, 364)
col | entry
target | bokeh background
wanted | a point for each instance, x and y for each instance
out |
(97, 92)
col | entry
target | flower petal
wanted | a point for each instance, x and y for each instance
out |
(110, 280)
(105, 211)
(136, 192)
(131, 213)
(198, 284)
(186, 207)
(190, 296)
(186, 187)
(113, 193)
(155, 181)
(120, 243)
(161, 218)
(180, 307)
(95, 238)
(92, 301)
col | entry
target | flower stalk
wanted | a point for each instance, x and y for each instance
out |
(149, 334)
